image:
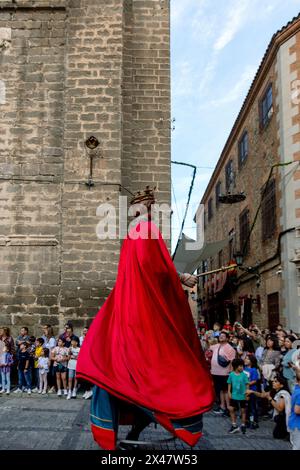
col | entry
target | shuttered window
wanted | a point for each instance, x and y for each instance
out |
(218, 193)
(266, 107)
(229, 176)
(243, 148)
(268, 210)
(210, 209)
(244, 232)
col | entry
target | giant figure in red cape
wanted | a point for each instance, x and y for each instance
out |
(142, 350)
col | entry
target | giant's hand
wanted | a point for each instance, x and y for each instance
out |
(188, 280)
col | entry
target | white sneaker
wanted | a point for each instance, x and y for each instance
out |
(2, 390)
(44, 392)
(59, 393)
(74, 394)
(88, 395)
(7, 392)
(40, 391)
(84, 395)
(35, 390)
(24, 390)
(52, 390)
(18, 390)
(69, 395)
(65, 392)
(29, 391)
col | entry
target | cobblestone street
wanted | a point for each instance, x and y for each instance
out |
(51, 423)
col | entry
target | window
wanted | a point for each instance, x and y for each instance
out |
(243, 148)
(218, 193)
(229, 175)
(266, 107)
(268, 210)
(244, 232)
(210, 209)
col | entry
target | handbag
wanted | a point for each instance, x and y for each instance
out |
(222, 361)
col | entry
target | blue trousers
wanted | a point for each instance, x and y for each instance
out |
(24, 379)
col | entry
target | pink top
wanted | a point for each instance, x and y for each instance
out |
(226, 351)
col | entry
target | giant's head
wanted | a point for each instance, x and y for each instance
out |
(142, 201)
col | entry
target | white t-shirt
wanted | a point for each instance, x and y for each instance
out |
(43, 364)
(73, 362)
(61, 353)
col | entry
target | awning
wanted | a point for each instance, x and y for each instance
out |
(188, 260)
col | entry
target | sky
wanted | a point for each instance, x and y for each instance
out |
(216, 49)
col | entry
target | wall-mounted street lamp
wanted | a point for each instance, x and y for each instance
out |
(239, 259)
(232, 198)
(92, 144)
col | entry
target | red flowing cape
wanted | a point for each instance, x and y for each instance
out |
(142, 346)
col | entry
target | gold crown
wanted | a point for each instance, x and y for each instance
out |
(142, 196)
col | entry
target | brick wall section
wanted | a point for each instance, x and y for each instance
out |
(94, 68)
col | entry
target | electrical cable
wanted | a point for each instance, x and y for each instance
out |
(188, 200)
(174, 195)
(260, 204)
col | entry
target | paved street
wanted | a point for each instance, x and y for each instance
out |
(51, 423)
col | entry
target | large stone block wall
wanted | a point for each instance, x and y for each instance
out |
(72, 69)
(146, 91)
(31, 162)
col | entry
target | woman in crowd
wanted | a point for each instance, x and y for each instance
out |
(6, 361)
(287, 369)
(270, 360)
(281, 343)
(6, 338)
(50, 343)
(280, 400)
(241, 353)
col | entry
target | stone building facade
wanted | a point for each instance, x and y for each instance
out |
(261, 157)
(71, 69)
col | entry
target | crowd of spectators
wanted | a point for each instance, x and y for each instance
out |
(256, 375)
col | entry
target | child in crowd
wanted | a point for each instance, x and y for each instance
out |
(73, 355)
(202, 323)
(43, 368)
(6, 361)
(208, 353)
(82, 337)
(217, 330)
(37, 353)
(237, 387)
(251, 369)
(24, 369)
(31, 346)
(227, 326)
(60, 357)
